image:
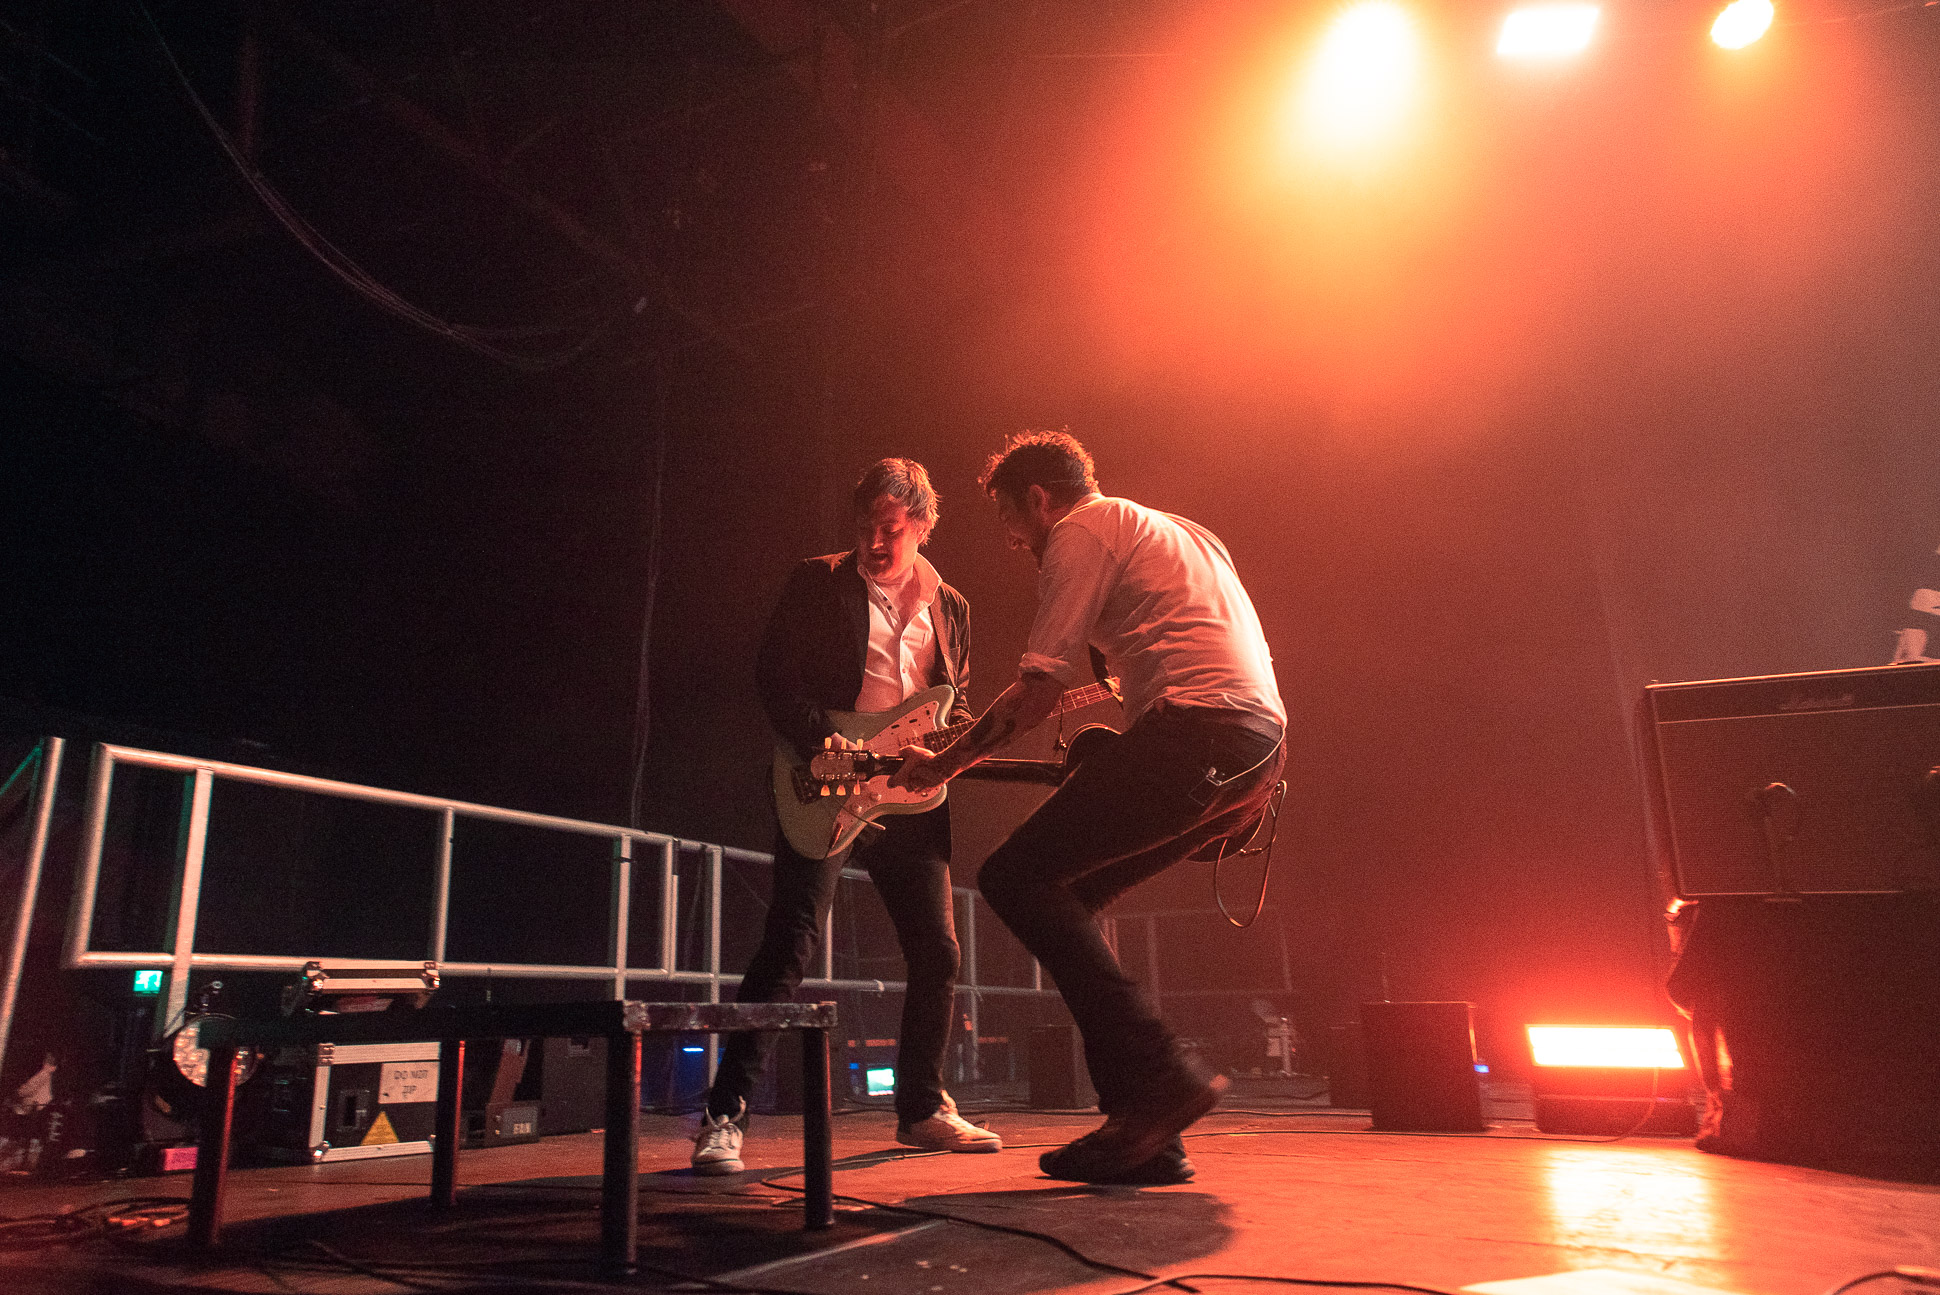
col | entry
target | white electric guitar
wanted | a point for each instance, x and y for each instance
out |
(825, 802)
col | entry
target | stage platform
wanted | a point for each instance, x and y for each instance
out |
(1292, 1192)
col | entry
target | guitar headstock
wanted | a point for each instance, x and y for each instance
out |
(839, 770)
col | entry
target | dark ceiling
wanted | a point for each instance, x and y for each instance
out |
(547, 183)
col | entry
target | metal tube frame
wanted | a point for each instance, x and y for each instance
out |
(622, 910)
(188, 899)
(441, 894)
(182, 957)
(46, 778)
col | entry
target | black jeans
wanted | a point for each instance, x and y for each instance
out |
(1176, 780)
(909, 862)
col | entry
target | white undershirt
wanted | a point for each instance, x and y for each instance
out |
(902, 638)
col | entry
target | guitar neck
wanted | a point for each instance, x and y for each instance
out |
(1072, 699)
(1048, 773)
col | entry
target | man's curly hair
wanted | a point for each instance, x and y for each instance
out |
(1053, 460)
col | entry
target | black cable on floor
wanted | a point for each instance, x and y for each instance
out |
(1153, 1280)
(483, 1275)
(34, 1231)
(368, 1270)
(1905, 1272)
(1282, 1281)
(1046, 1238)
(1407, 1133)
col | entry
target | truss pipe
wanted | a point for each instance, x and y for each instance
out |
(87, 864)
(46, 776)
(441, 893)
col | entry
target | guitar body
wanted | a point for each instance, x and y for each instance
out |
(1084, 744)
(818, 825)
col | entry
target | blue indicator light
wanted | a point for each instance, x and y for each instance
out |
(691, 1048)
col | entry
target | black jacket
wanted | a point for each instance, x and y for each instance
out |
(812, 653)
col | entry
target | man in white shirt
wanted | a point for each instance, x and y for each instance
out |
(1158, 597)
(861, 631)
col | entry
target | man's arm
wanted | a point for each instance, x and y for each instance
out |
(1022, 707)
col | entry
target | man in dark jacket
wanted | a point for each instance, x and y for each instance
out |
(861, 631)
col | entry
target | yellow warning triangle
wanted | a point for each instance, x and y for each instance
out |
(381, 1133)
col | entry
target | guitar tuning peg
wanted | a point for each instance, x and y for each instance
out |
(841, 788)
(825, 789)
(828, 743)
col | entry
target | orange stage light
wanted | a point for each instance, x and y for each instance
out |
(1547, 31)
(1742, 22)
(1363, 78)
(1605, 1047)
(1609, 1081)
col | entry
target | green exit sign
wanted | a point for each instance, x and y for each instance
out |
(148, 982)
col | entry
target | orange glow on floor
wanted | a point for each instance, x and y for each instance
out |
(1600, 1200)
(1604, 1046)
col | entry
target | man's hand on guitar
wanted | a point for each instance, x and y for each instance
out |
(826, 796)
(1022, 706)
(922, 770)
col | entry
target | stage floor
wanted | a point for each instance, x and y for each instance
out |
(1295, 1194)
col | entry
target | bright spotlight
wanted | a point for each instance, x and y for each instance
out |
(1742, 22)
(1604, 1046)
(1547, 31)
(1364, 75)
(1604, 1080)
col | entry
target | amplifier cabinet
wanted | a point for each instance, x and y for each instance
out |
(345, 1102)
(572, 1084)
(1801, 784)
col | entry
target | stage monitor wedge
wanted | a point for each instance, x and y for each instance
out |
(1825, 783)
(1421, 1074)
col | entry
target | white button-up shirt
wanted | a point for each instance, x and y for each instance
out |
(902, 639)
(1158, 595)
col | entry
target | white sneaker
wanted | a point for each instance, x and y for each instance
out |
(717, 1147)
(947, 1131)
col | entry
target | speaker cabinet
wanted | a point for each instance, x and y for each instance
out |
(1421, 1067)
(1812, 1024)
(1800, 784)
(572, 1085)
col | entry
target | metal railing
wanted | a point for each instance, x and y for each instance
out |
(1147, 920)
(181, 956)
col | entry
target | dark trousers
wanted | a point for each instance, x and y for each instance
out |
(1176, 780)
(909, 862)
